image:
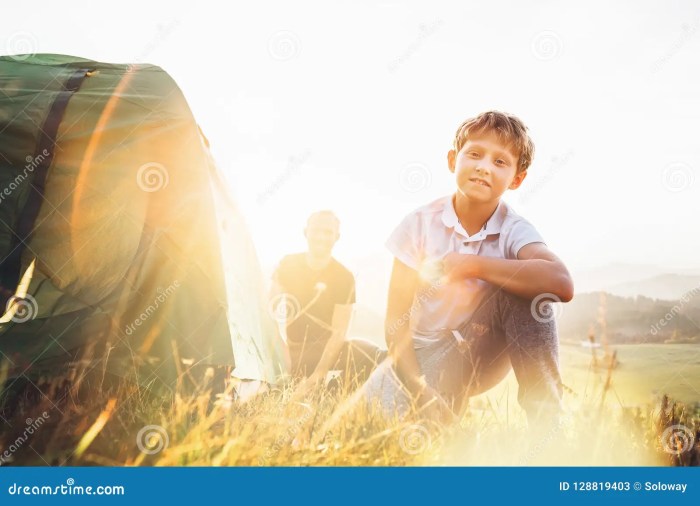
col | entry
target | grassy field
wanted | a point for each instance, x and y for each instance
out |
(610, 420)
(645, 372)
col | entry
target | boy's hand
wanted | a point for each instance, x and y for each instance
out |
(457, 266)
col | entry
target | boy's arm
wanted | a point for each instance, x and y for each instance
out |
(402, 289)
(536, 271)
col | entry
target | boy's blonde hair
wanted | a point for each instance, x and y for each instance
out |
(509, 129)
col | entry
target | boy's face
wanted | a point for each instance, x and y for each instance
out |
(485, 168)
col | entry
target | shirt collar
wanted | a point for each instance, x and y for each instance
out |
(493, 224)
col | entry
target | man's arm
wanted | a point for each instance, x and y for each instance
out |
(340, 323)
(536, 271)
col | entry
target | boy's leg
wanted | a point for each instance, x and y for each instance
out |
(440, 362)
(504, 327)
(384, 390)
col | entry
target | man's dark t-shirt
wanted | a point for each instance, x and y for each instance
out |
(308, 334)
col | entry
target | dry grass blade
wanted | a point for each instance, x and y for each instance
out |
(96, 427)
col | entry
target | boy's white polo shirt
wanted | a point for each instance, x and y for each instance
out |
(427, 235)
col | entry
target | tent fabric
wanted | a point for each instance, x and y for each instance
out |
(137, 250)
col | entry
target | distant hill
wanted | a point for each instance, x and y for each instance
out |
(628, 320)
(628, 280)
(631, 319)
(605, 276)
(663, 286)
(638, 298)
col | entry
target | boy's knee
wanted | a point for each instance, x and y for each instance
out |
(539, 312)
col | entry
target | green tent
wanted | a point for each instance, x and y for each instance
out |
(117, 236)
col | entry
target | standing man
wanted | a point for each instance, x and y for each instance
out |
(318, 293)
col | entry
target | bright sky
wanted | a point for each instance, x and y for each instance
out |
(353, 105)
